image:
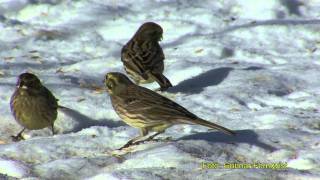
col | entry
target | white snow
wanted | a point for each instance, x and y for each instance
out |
(13, 168)
(249, 65)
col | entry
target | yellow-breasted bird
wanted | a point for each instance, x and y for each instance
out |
(33, 105)
(142, 108)
(143, 57)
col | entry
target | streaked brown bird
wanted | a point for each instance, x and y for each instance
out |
(142, 108)
(143, 57)
(33, 105)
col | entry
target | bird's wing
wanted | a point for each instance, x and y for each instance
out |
(146, 103)
(127, 57)
(52, 101)
(142, 57)
(149, 103)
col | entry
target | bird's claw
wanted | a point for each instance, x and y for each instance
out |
(153, 140)
(161, 139)
(17, 138)
(126, 145)
(131, 143)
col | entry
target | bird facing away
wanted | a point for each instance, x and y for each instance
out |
(142, 108)
(33, 105)
(143, 57)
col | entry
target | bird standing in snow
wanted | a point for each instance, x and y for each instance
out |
(142, 108)
(143, 57)
(33, 105)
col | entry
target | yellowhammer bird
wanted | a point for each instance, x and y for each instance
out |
(143, 57)
(33, 105)
(142, 108)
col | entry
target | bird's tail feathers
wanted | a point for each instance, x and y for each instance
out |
(162, 80)
(212, 125)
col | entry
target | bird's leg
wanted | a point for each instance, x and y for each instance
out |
(150, 137)
(19, 136)
(154, 135)
(143, 132)
(158, 129)
(129, 143)
(52, 129)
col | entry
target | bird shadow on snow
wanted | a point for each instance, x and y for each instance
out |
(198, 83)
(243, 136)
(86, 122)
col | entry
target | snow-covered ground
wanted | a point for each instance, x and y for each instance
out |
(252, 66)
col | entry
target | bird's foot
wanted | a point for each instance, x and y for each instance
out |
(129, 143)
(153, 140)
(166, 139)
(53, 131)
(119, 153)
(17, 138)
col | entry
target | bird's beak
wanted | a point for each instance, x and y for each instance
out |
(161, 37)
